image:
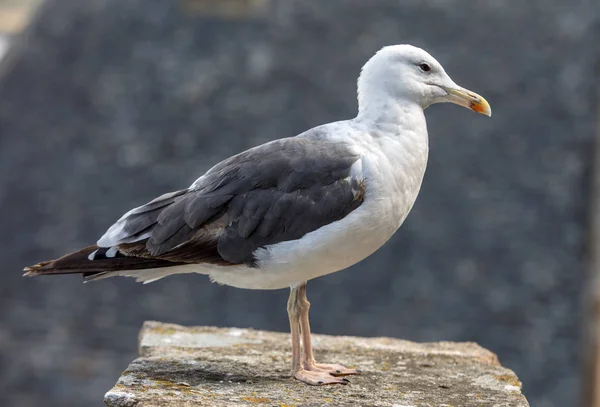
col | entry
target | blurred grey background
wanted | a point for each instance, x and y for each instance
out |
(105, 104)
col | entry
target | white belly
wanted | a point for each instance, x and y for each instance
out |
(331, 248)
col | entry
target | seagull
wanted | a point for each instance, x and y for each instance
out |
(293, 209)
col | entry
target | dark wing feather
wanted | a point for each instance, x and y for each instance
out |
(78, 263)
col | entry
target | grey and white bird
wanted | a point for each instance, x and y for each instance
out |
(293, 209)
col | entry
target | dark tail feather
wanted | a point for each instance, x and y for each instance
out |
(79, 263)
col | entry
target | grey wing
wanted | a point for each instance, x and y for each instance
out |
(276, 192)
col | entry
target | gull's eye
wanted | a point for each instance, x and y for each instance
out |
(425, 67)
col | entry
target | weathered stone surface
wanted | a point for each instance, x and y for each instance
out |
(205, 366)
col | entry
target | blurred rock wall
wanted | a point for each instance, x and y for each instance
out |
(105, 104)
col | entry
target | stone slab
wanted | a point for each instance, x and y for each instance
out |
(207, 366)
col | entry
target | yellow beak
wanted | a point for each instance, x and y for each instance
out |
(468, 99)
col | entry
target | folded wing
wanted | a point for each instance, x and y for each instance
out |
(276, 192)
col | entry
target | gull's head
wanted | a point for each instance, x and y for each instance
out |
(407, 73)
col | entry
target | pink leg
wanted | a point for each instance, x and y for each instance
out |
(308, 359)
(314, 377)
(295, 329)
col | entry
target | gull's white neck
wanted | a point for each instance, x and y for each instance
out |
(398, 150)
(387, 112)
(393, 118)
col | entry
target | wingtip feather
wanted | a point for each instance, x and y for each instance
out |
(35, 270)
